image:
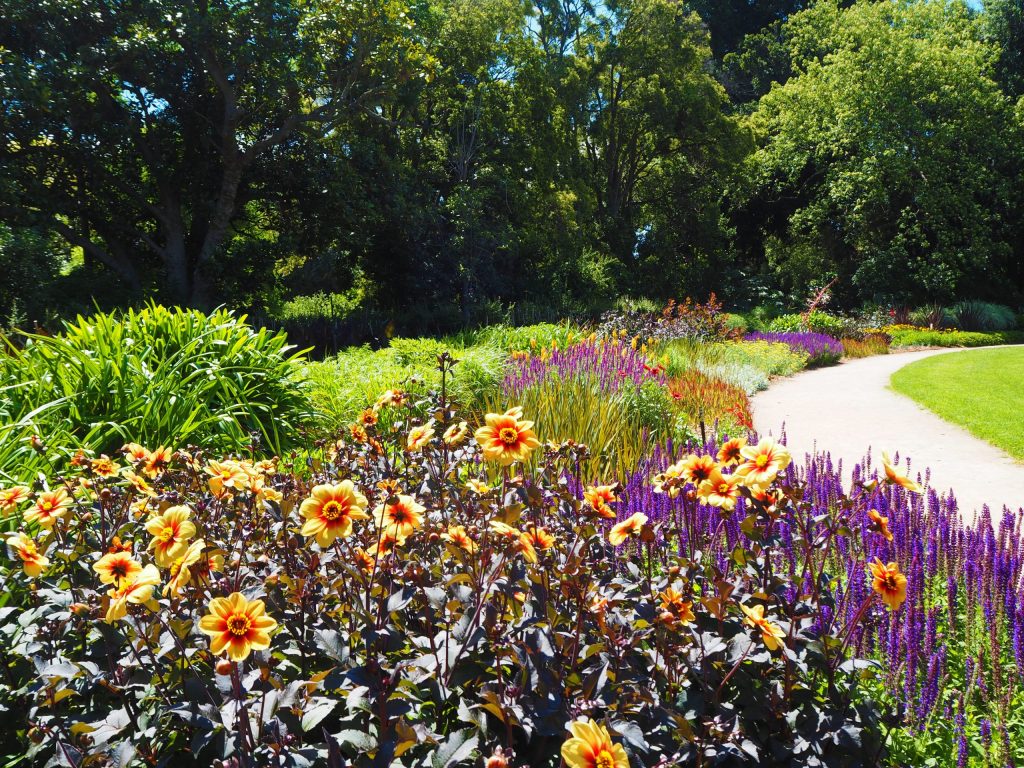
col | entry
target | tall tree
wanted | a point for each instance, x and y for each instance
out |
(889, 158)
(135, 127)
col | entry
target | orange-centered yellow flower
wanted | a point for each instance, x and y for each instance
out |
(455, 434)
(720, 490)
(696, 469)
(419, 436)
(895, 477)
(771, 633)
(631, 526)
(729, 453)
(506, 438)
(135, 452)
(171, 532)
(330, 510)
(590, 746)
(24, 548)
(136, 590)
(226, 474)
(599, 497)
(458, 536)
(880, 524)
(670, 481)
(538, 537)
(400, 516)
(117, 568)
(478, 486)
(49, 506)
(762, 462)
(157, 461)
(887, 581)
(237, 626)
(12, 497)
(181, 571)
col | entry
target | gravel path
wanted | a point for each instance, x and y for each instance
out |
(850, 409)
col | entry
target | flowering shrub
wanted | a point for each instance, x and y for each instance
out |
(416, 596)
(819, 348)
(704, 322)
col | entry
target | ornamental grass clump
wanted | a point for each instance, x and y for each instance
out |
(455, 599)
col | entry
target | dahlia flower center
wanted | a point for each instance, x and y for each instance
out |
(761, 461)
(399, 515)
(604, 760)
(509, 435)
(239, 625)
(890, 583)
(28, 549)
(723, 488)
(332, 510)
(119, 569)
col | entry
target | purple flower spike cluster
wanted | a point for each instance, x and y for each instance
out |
(819, 348)
(612, 363)
(961, 628)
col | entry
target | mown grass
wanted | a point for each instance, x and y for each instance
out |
(979, 390)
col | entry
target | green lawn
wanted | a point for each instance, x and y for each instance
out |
(981, 390)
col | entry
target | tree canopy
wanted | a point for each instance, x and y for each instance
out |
(444, 157)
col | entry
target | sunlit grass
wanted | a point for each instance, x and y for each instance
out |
(979, 390)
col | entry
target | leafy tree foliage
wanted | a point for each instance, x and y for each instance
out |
(887, 158)
(136, 129)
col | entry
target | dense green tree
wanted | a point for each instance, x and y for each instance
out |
(134, 127)
(888, 159)
(1003, 22)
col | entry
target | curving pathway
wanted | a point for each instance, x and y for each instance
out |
(850, 409)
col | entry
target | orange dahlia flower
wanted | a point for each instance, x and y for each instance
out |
(136, 590)
(720, 490)
(157, 461)
(599, 497)
(171, 532)
(12, 497)
(330, 510)
(455, 434)
(24, 548)
(771, 633)
(538, 537)
(590, 746)
(117, 568)
(400, 516)
(49, 506)
(880, 523)
(631, 526)
(237, 625)
(894, 477)
(506, 438)
(729, 453)
(681, 609)
(458, 536)
(696, 469)
(104, 466)
(887, 581)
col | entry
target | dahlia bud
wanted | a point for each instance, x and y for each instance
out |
(499, 759)
(224, 666)
(80, 609)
